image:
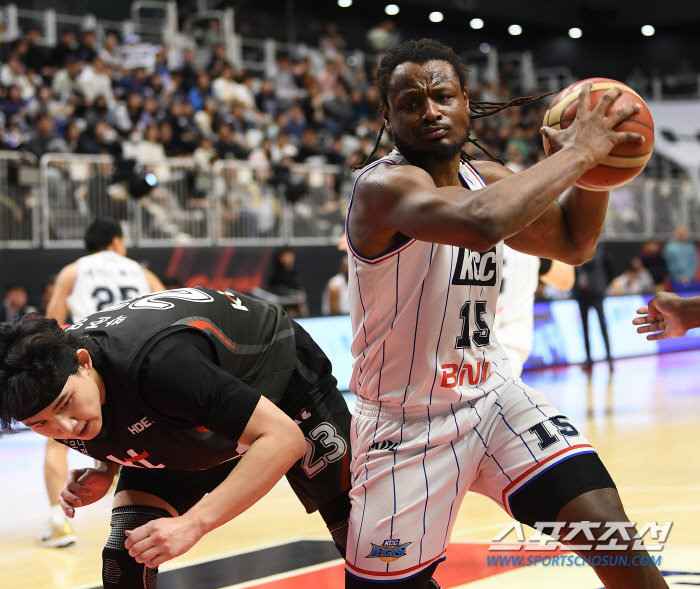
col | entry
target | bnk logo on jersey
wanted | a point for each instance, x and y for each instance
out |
(479, 268)
(389, 551)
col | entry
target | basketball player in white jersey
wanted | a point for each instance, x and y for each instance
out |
(92, 283)
(437, 411)
(514, 322)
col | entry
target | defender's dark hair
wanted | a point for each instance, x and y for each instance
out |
(30, 349)
(421, 52)
(100, 234)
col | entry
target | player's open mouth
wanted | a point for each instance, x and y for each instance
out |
(85, 430)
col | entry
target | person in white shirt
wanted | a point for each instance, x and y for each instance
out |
(514, 322)
(104, 278)
(94, 82)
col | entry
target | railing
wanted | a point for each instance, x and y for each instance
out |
(244, 204)
(76, 189)
(19, 218)
(233, 203)
(650, 209)
(259, 204)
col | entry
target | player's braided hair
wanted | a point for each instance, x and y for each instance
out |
(427, 50)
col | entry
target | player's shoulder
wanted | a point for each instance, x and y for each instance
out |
(386, 176)
(490, 171)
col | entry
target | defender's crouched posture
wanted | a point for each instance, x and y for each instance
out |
(192, 392)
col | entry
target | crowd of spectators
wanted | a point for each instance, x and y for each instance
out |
(149, 102)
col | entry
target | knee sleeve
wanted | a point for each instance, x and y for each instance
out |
(119, 570)
(336, 514)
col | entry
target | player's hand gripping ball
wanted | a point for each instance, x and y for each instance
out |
(626, 160)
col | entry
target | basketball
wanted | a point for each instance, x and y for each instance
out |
(626, 160)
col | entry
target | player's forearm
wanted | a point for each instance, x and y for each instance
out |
(511, 204)
(261, 467)
(584, 216)
(690, 312)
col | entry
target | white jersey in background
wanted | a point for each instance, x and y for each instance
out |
(423, 317)
(103, 280)
(514, 319)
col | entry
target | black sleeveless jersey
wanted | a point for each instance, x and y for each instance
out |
(251, 340)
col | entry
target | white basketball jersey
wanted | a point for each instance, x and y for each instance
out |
(514, 320)
(103, 280)
(422, 317)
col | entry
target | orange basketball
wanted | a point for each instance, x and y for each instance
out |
(626, 160)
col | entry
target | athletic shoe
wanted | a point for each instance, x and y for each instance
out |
(58, 536)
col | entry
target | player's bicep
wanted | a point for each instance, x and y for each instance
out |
(407, 201)
(267, 419)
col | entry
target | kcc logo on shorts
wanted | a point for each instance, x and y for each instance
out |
(389, 551)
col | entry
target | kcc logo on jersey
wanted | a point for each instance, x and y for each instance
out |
(389, 551)
(477, 268)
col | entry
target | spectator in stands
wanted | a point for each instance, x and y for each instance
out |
(285, 281)
(383, 37)
(128, 115)
(99, 111)
(217, 61)
(15, 304)
(197, 95)
(266, 99)
(44, 139)
(94, 81)
(635, 280)
(13, 73)
(653, 260)
(681, 257)
(309, 149)
(66, 45)
(87, 51)
(224, 88)
(110, 52)
(65, 82)
(101, 139)
(339, 111)
(73, 133)
(296, 123)
(15, 108)
(282, 148)
(35, 59)
(226, 147)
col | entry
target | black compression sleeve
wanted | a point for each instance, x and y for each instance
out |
(545, 266)
(180, 380)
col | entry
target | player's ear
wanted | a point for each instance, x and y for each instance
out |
(387, 117)
(84, 360)
(466, 98)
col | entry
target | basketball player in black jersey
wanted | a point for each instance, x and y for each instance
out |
(191, 392)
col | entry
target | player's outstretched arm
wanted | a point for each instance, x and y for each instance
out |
(406, 200)
(668, 315)
(276, 443)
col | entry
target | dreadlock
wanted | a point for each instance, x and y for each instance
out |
(421, 52)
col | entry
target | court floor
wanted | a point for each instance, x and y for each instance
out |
(644, 420)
